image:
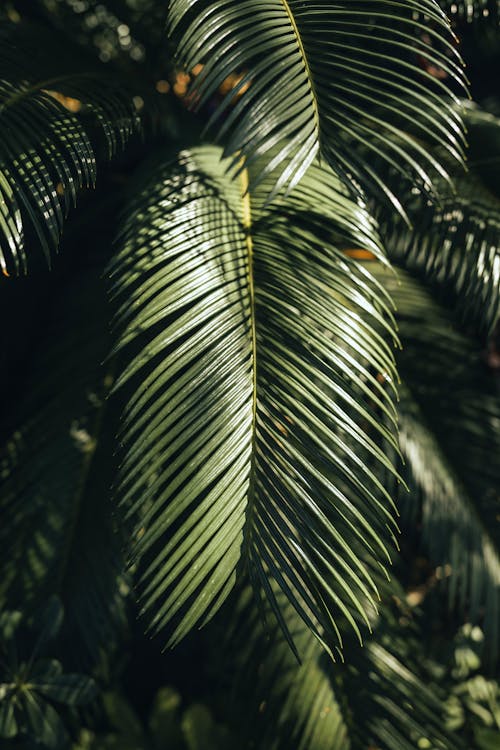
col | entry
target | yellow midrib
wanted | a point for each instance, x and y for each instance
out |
(247, 226)
(306, 64)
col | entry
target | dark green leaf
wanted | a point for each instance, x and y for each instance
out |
(71, 689)
(454, 243)
(379, 698)
(255, 394)
(325, 78)
(8, 723)
(450, 438)
(43, 723)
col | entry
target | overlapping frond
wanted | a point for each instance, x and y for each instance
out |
(50, 107)
(454, 536)
(483, 155)
(286, 703)
(378, 699)
(322, 78)
(455, 243)
(450, 438)
(253, 364)
(57, 534)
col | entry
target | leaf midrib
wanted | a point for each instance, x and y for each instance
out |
(295, 28)
(247, 227)
(247, 224)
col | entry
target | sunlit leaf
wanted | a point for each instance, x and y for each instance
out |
(329, 79)
(253, 364)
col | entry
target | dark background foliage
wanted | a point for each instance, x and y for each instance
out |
(196, 696)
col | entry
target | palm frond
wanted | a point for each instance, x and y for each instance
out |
(325, 79)
(450, 438)
(454, 536)
(286, 703)
(379, 698)
(253, 368)
(57, 535)
(50, 105)
(455, 243)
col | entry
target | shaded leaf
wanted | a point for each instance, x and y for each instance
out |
(8, 723)
(58, 536)
(70, 689)
(43, 722)
(201, 732)
(450, 438)
(379, 698)
(164, 719)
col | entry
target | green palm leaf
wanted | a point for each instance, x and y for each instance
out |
(49, 108)
(283, 703)
(456, 246)
(253, 365)
(450, 438)
(29, 688)
(455, 243)
(318, 705)
(324, 78)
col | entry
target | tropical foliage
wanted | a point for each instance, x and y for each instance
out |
(251, 299)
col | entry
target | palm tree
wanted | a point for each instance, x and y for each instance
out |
(295, 406)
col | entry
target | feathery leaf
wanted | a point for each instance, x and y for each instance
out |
(450, 439)
(49, 106)
(455, 243)
(323, 78)
(378, 698)
(254, 392)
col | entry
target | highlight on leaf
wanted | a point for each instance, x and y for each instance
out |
(254, 400)
(52, 116)
(326, 79)
(455, 243)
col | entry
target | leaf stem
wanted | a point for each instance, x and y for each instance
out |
(306, 64)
